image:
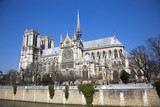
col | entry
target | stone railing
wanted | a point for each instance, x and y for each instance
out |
(99, 87)
(125, 86)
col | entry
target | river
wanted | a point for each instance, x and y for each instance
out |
(7, 103)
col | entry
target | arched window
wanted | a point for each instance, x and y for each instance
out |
(49, 44)
(87, 53)
(115, 54)
(36, 40)
(27, 40)
(110, 54)
(93, 55)
(43, 46)
(133, 74)
(104, 55)
(85, 72)
(98, 55)
(139, 74)
(120, 53)
(115, 76)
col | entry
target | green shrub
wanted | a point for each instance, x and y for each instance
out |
(66, 92)
(88, 91)
(124, 76)
(157, 85)
(14, 89)
(51, 91)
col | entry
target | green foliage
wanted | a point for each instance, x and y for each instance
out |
(4, 80)
(88, 91)
(46, 79)
(51, 91)
(66, 92)
(124, 76)
(14, 89)
(157, 85)
(26, 82)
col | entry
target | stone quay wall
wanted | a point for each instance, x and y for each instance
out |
(107, 95)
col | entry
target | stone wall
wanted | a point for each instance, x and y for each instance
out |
(111, 95)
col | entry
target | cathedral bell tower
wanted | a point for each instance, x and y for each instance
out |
(30, 49)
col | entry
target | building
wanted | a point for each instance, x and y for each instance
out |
(105, 56)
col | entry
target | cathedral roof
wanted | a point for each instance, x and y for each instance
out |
(103, 42)
(87, 58)
(50, 51)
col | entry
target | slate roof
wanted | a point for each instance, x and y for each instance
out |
(98, 43)
(50, 51)
(104, 42)
(87, 58)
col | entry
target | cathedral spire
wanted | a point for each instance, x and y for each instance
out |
(78, 30)
(74, 35)
(61, 39)
(78, 21)
(67, 32)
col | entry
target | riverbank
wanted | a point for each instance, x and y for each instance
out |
(107, 95)
(10, 103)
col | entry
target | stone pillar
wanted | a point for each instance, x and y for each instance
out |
(52, 44)
(24, 40)
(38, 41)
(46, 43)
(30, 40)
(122, 103)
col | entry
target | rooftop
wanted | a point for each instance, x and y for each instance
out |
(103, 42)
(50, 51)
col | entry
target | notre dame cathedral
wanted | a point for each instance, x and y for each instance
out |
(105, 56)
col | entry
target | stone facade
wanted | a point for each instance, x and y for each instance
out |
(105, 56)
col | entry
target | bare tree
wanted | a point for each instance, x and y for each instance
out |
(142, 61)
(53, 70)
(60, 78)
(147, 59)
(12, 76)
(73, 76)
(95, 78)
(35, 69)
(154, 47)
(5, 80)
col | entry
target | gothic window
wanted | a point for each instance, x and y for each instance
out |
(133, 74)
(120, 53)
(98, 55)
(87, 53)
(85, 72)
(115, 76)
(110, 54)
(49, 44)
(100, 68)
(67, 55)
(43, 46)
(93, 55)
(27, 40)
(104, 55)
(67, 42)
(36, 40)
(139, 74)
(100, 76)
(115, 54)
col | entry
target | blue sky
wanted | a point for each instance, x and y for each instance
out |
(133, 21)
